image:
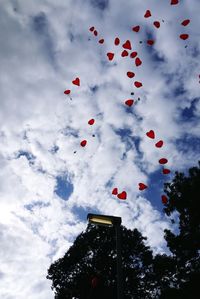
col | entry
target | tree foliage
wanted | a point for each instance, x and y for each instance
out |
(93, 254)
(184, 197)
(88, 269)
(184, 201)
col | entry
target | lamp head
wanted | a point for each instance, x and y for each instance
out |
(104, 220)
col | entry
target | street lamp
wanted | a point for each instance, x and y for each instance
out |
(110, 221)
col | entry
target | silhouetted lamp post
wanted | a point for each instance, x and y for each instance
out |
(106, 220)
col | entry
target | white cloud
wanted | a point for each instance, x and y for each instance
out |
(35, 116)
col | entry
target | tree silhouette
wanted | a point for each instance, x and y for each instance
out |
(88, 269)
(184, 204)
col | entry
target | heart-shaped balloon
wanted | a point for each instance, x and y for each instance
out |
(151, 134)
(101, 41)
(130, 74)
(91, 28)
(124, 53)
(95, 32)
(156, 24)
(91, 121)
(76, 81)
(67, 91)
(185, 22)
(110, 56)
(150, 42)
(136, 28)
(142, 186)
(83, 143)
(184, 36)
(122, 195)
(129, 102)
(164, 199)
(133, 54)
(166, 171)
(163, 161)
(147, 14)
(115, 191)
(159, 143)
(174, 2)
(138, 61)
(138, 84)
(117, 41)
(127, 45)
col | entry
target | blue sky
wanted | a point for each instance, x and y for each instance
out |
(48, 182)
(63, 187)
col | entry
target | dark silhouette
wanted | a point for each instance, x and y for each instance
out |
(184, 208)
(88, 269)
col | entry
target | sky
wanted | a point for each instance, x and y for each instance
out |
(49, 182)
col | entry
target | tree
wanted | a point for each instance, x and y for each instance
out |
(184, 201)
(92, 260)
(88, 269)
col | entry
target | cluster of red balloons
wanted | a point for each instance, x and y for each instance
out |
(127, 51)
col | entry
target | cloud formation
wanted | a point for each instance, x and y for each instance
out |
(45, 47)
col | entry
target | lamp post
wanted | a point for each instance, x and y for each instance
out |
(111, 221)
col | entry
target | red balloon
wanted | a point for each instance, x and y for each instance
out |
(150, 42)
(122, 195)
(142, 186)
(127, 45)
(110, 56)
(76, 81)
(166, 171)
(163, 161)
(130, 74)
(164, 199)
(124, 53)
(151, 134)
(159, 143)
(95, 282)
(83, 143)
(184, 36)
(67, 91)
(156, 24)
(147, 14)
(117, 41)
(185, 22)
(133, 54)
(91, 121)
(138, 61)
(174, 2)
(138, 84)
(91, 28)
(115, 191)
(136, 28)
(129, 102)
